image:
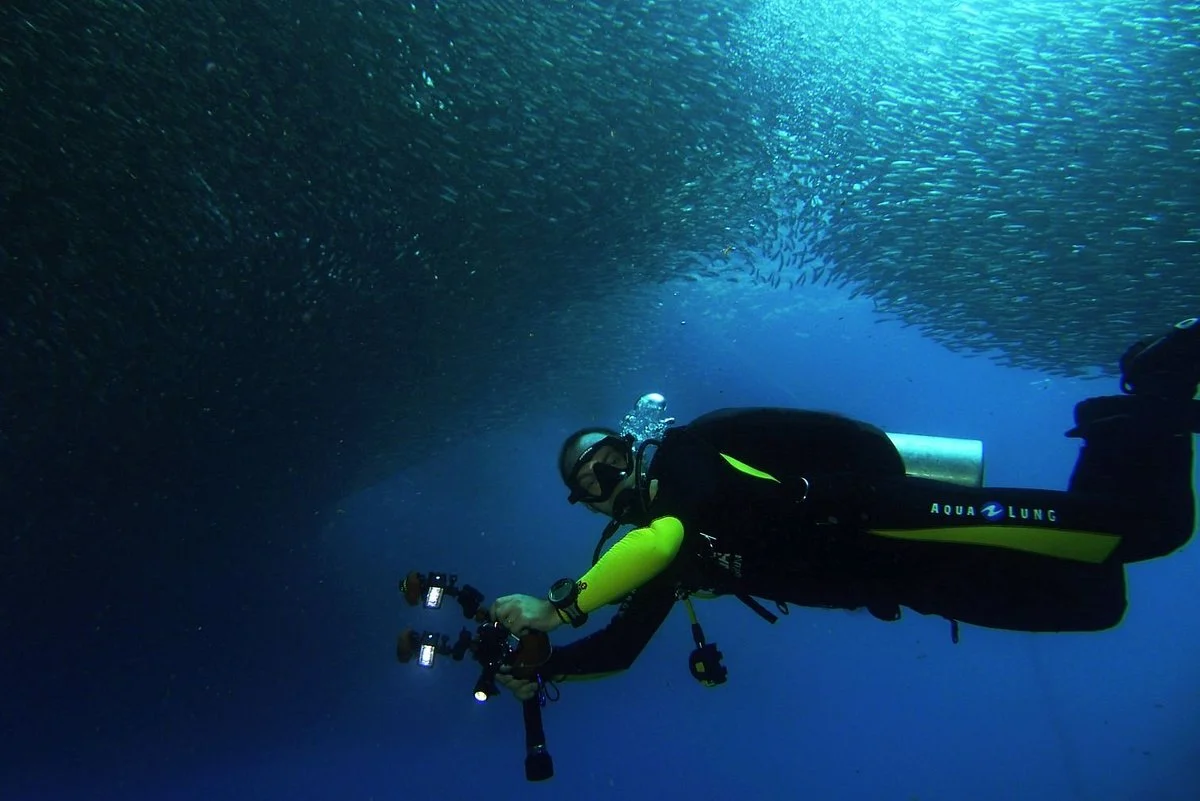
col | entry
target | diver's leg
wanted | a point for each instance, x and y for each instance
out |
(1015, 591)
(1007, 558)
(1073, 526)
(1136, 462)
(1001, 557)
(1053, 561)
(1137, 449)
(1132, 481)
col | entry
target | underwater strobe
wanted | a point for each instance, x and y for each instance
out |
(494, 647)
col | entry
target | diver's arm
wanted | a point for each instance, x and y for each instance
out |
(633, 569)
(631, 562)
(617, 645)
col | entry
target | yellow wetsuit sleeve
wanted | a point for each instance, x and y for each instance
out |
(632, 561)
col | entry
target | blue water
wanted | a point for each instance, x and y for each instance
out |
(823, 705)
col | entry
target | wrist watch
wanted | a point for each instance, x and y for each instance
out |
(564, 596)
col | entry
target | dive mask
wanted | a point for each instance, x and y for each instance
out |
(608, 477)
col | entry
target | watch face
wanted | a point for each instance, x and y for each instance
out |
(561, 590)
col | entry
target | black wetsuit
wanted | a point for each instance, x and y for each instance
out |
(811, 535)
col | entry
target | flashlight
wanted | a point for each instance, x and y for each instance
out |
(435, 588)
(427, 649)
(485, 688)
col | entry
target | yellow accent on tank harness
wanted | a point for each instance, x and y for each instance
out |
(737, 464)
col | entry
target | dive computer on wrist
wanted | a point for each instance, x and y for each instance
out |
(564, 597)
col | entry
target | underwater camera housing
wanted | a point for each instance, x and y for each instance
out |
(492, 646)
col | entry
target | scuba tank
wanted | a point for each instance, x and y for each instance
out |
(950, 459)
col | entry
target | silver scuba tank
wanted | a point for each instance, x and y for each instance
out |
(958, 461)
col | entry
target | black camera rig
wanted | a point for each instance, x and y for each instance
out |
(494, 647)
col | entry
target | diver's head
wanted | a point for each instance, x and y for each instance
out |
(597, 465)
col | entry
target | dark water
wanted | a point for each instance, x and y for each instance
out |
(258, 256)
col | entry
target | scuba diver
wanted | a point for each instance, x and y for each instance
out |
(816, 509)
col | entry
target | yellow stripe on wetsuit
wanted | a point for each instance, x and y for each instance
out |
(1077, 546)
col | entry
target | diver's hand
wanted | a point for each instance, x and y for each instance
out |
(522, 689)
(520, 613)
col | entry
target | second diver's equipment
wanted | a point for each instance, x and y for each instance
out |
(564, 597)
(493, 646)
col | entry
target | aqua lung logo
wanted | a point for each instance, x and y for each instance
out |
(993, 512)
